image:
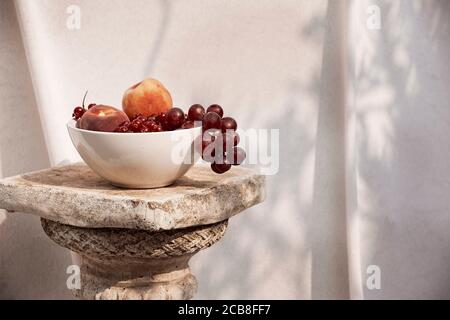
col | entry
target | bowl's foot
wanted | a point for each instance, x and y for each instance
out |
(142, 186)
(119, 264)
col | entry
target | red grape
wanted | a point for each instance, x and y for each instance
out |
(187, 125)
(196, 112)
(230, 139)
(220, 168)
(238, 156)
(216, 109)
(211, 120)
(228, 124)
(209, 138)
(211, 135)
(208, 152)
(175, 118)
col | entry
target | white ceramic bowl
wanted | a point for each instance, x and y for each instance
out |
(137, 160)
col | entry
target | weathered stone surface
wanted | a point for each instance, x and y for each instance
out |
(75, 195)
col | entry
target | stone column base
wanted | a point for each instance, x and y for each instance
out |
(120, 264)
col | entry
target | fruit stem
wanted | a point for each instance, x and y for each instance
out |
(84, 99)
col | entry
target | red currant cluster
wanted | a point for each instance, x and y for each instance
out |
(140, 124)
(79, 111)
(166, 121)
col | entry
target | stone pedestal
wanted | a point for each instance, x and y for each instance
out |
(135, 264)
(134, 244)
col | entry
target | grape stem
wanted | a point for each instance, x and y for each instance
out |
(84, 99)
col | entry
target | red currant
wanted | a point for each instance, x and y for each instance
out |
(136, 125)
(149, 123)
(78, 113)
(152, 126)
(135, 117)
(141, 118)
(162, 120)
(122, 129)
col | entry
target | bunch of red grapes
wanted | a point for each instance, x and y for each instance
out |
(219, 140)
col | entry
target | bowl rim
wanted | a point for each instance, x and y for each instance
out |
(71, 125)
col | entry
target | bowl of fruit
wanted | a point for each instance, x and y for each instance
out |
(149, 143)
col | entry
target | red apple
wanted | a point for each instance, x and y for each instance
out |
(102, 118)
(147, 98)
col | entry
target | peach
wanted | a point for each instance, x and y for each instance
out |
(147, 98)
(102, 118)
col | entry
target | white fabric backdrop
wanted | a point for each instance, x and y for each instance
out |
(363, 114)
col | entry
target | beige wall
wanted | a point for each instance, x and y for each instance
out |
(364, 132)
(204, 53)
(31, 266)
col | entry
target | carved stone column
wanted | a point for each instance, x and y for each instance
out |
(134, 244)
(135, 264)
